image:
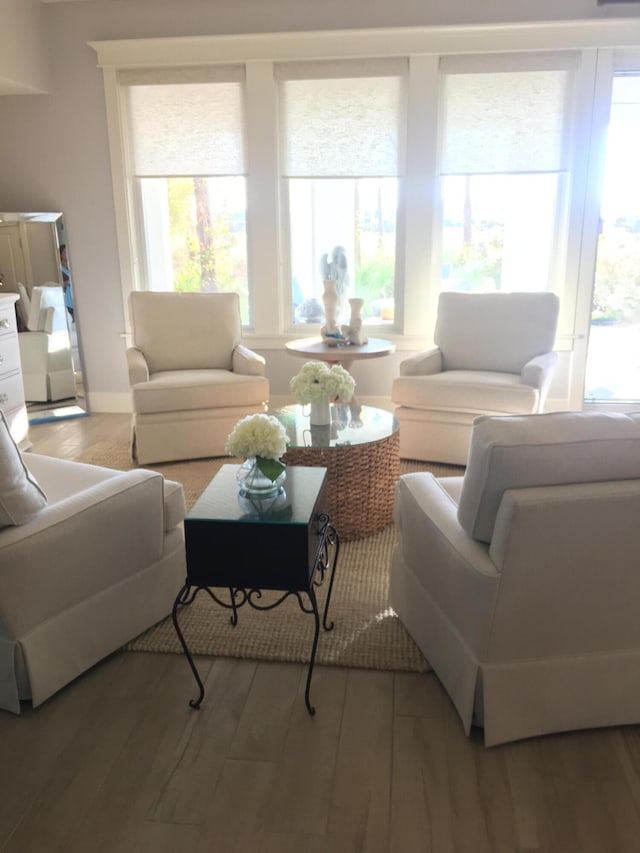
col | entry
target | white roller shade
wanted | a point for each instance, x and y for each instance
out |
(187, 128)
(343, 124)
(502, 122)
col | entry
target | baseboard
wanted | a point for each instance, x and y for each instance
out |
(112, 403)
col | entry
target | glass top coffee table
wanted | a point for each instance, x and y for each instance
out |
(360, 449)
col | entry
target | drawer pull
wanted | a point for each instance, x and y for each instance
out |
(4, 323)
(1, 359)
(4, 399)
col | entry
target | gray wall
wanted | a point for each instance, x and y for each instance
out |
(54, 149)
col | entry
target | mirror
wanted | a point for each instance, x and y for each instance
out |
(35, 262)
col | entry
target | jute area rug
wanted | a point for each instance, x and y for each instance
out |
(367, 633)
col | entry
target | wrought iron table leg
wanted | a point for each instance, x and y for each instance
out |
(333, 539)
(185, 597)
(234, 608)
(316, 634)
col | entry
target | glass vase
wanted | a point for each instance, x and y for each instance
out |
(252, 481)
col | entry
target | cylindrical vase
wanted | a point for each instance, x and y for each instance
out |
(320, 413)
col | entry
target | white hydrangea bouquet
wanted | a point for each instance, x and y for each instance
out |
(263, 438)
(317, 381)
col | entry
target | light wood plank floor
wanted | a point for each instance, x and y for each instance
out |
(118, 762)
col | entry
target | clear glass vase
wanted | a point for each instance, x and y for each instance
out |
(252, 481)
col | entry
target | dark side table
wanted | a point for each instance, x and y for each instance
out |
(238, 546)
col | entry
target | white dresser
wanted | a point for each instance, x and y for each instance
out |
(11, 388)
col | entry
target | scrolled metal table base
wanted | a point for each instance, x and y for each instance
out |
(324, 566)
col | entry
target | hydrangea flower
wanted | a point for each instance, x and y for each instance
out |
(316, 380)
(260, 436)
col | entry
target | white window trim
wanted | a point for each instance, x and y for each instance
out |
(416, 297)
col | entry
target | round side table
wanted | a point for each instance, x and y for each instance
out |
(344, 354)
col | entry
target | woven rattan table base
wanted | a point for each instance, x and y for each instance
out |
(360, 481)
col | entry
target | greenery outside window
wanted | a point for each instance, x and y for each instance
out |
(187, 153)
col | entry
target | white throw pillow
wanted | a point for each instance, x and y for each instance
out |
(21, 498)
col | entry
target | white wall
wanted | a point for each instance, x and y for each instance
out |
(54, 151)
(24, 51)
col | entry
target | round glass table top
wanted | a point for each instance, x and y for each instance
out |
(350, 424)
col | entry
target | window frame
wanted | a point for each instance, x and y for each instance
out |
(417, 273)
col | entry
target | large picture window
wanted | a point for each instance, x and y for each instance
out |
(187, 155)
(505, 127)
(342, 133)
(404, 161)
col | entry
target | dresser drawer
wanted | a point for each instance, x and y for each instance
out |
(11, 392)
(9, 355)
(8, 322)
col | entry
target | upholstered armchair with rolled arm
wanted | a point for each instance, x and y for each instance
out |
(191, 377)
(90, 557)
(519, 581)
(493, 355)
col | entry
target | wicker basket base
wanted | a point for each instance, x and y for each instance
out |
(360, 482)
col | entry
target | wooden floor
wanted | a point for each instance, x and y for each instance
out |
(118, 762)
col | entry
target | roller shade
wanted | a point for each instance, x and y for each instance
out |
(505, 121)
(187, 126)
(343, 120)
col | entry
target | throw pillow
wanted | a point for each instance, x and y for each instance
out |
(21, 498)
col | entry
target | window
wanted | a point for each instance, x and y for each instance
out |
(187, 156)
(342, 132)
(504, 166)
(613, 360)
(430, 166)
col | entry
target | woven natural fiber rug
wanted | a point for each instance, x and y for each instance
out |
(367, 633)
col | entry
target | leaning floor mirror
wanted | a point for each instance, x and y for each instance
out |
(35, 263)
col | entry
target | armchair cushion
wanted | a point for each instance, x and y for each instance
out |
(466, 390)
(516, 327)
(188, 390)
(178, 333)
(21, 497)
(543, 450)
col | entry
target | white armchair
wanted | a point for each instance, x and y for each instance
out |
(493, 356)
(191, 378)
(89, 558)
(45, 348)
(520, 581)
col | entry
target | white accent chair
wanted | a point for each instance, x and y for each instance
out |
(493, 356)
(45, 348)
(191, 378)
(520, 581)
(98, 564)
